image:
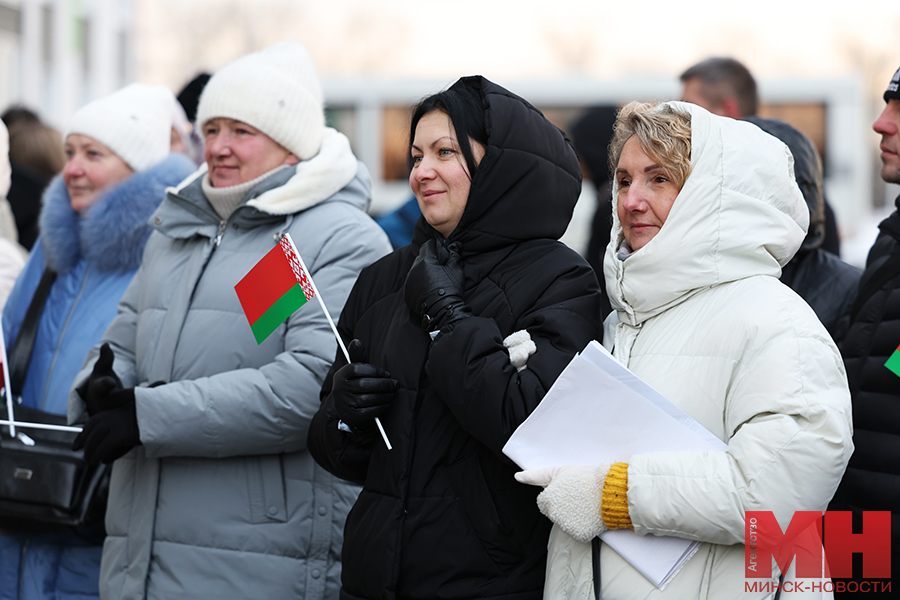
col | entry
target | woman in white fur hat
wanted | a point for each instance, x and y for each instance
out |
(93, 228)
(213, 494)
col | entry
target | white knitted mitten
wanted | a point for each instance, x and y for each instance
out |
(571, 498)
(520, 347)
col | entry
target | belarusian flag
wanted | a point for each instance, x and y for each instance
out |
(893, 363)
(273, 289)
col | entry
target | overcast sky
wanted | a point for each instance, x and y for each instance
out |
(525, 38)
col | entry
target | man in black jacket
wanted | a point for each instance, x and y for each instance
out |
(872, 480)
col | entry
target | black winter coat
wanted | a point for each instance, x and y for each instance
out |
(440, 515)
(828, 285)
(872, 480)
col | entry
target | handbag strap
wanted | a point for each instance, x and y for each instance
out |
(22, 348)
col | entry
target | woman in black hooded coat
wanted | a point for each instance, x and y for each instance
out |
(440, 515)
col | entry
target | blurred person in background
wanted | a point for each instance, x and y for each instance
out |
(591, 135)
(181, 139)
(454, 340)
(725, 87)
(213, 493)
(36, 155)
(93, 228)
(692, 270)
(189, 98)
(872, 481)
(18, 113)
(12, 255)
(400, 223)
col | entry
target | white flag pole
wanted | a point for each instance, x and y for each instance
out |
(6, 386)
(11, 419)
(333, 328)
(27, 425)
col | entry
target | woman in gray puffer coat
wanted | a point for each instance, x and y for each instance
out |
(213, 494)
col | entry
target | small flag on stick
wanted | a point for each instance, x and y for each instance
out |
(4, 369)
(277, 286)
(10, 420)
(893, 363)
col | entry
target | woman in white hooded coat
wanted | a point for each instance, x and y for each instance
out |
(692, 271)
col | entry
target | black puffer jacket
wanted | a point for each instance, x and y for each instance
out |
(440, 515)
(827, 283)
(872, 480)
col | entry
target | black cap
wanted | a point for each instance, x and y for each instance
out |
(893, 89)
(189, 96)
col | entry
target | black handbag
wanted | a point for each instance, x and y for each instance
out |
(43, 482)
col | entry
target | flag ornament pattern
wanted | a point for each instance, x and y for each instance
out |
(297, 268)
(276, 287)
(893, 363)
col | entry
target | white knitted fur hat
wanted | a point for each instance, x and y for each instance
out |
(275, 90)
(135, 122)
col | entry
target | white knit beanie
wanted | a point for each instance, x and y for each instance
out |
(135, 122)
(275, 90)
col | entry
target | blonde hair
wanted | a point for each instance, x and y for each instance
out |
(663, 132)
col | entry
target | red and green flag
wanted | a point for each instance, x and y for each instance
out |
(893, 363)
(273, 289)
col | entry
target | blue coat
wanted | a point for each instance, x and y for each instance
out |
(95, 257)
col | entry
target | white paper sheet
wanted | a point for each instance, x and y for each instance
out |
(598, 411)
(601, 357)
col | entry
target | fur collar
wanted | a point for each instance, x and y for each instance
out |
(111, 233)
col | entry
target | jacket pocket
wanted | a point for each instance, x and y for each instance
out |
(475, 500)
(266, 481)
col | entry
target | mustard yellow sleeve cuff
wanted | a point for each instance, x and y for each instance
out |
(614, 506)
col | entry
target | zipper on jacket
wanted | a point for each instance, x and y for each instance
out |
(22, 568)
(222, 226)
(62, 335)
(413, 439)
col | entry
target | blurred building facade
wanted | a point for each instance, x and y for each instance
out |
(832, 112)
(56, 55)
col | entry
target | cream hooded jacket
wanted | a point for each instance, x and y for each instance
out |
(701, 316)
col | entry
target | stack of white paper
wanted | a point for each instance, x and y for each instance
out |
(598, 411)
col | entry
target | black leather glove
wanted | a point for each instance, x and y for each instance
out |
(96, 391)
(362, 391)
(111, 433)
(434, 284)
